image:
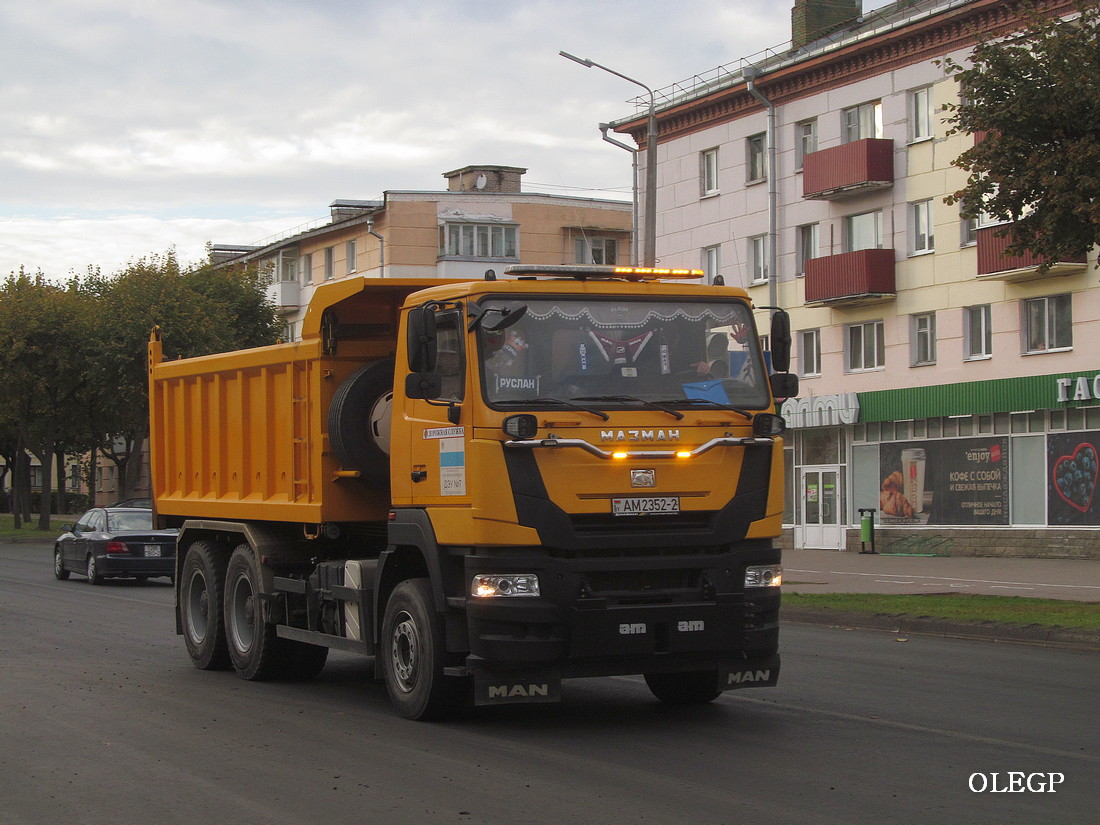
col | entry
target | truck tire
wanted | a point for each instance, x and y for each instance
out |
(305, 661)
(200, 600)
(256, 651)
(359, 422)
(692, 688)
(414, 653)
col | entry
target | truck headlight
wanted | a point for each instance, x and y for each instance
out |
(504, 584)
(763, 575)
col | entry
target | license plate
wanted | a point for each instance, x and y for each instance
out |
(655, 506)
(152, 551)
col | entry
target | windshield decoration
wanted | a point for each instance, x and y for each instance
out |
(619, 353)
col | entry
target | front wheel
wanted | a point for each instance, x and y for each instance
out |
(692, 688)
(413, 654)
(59, 570)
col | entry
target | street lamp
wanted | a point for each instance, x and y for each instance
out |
(650, 253)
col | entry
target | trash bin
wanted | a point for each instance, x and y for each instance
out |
(867, 529)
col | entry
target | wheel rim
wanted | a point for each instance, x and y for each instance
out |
(198, 608)
(242, 614)
(58, 566)
(91, 568)
(405, 651)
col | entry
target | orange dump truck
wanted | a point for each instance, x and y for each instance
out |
(486, 486)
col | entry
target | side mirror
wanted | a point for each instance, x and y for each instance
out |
(421, 340)
(781, 341)
(784, 385)
(426, 385)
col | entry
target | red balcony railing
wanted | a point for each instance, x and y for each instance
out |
(851, 278)
(848, 169)
(994, 265)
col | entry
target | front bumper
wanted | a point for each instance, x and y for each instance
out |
(625, 615)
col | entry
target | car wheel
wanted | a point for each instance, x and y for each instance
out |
(692, 688)
(200, 599)
(255, 649)
(59, 570)
(92, 572)
(413, 654)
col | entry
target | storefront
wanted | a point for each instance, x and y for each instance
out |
(1004, 467)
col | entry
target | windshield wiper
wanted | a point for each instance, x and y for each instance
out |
(653, 405)
(560, 401)
(716, 404)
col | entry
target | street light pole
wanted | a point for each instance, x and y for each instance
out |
(650, 246)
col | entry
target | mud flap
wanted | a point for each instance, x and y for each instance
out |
(762, 672)
(517, 687)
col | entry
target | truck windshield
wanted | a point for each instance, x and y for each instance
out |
(623, 353)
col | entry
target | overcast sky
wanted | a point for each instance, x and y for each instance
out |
(135, 126)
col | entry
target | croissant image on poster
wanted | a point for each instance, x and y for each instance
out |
(1073, 461)
(957, 481)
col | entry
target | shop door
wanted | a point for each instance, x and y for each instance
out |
(822, 528)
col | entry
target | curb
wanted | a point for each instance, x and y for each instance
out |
(1072, 638)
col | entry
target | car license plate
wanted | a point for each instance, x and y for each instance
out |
(152, 551)
(654, 506)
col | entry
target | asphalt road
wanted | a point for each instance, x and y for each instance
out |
(103, 720)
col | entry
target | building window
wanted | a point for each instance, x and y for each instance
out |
(1048, 323)
(756, 149)
(708, 172)
(866, 346)
(305, 269)
(863, 231)
(809, 353)
(922, 337)
(288, 265)
(977, 332)
(711, 261)
(349, 254)
(758, 258)
(968, 231)
(863, 121)
(921, 230)
(596, 251)
(806, 246)
(330, 263)
(920, 114)
(805, 141)
(468, 240)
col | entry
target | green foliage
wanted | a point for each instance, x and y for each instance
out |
(73, 358)
(1034, 100)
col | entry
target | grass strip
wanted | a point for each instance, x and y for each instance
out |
(958, 607)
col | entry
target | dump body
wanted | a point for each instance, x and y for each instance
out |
(565, 477)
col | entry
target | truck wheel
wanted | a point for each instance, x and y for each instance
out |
(59, 570)
(200, 601)
(692, 688)
(256, 651)
(413, 654)
(305, 661)
(359, 422)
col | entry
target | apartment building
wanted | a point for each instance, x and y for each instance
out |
(951, 389)
(481, 223)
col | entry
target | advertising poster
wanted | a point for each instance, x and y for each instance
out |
(956, 482)
(1072, 460)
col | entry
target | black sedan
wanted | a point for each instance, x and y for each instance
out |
(115, 542)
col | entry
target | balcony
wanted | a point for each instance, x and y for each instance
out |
(994, 265)
(851, 278)
(848, 170)
(286, 295)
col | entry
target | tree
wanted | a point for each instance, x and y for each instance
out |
(1033, 100)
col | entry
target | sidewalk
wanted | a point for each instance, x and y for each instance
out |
(831, 571)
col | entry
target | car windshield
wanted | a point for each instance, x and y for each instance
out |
(621, 352)
(135, 520)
